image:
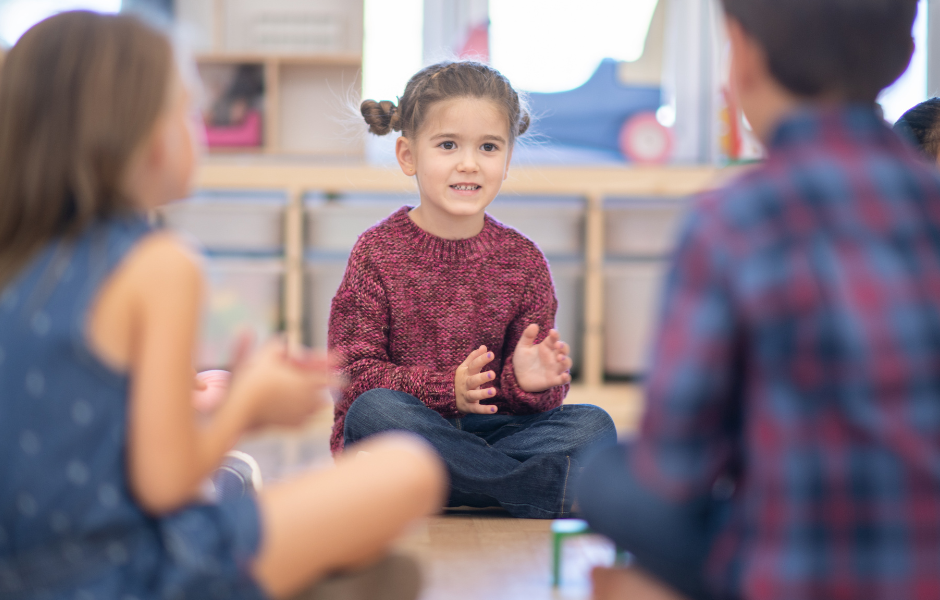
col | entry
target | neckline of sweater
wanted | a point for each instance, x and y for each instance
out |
(447, 250)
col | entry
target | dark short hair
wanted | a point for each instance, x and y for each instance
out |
(921, 125)
(852, 49)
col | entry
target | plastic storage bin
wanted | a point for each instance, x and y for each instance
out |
(242, 295)
(323, 277)
(631, 307)
(334, 225)
(232, 222)
(568, 277)
(642, 228)
(293, 26)
(555, 224)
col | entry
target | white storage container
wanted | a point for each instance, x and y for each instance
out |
(293, 26)
(555, 224)
(242, 295)
(642, 228)
(335, 225)
(322, 281)
(231, 221)
(568, 277)
(631, 307)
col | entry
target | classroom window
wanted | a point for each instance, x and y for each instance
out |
(17, 16)
(911, 88)
(555, 45)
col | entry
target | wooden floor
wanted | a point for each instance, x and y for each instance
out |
(494, 557)
(478, 555)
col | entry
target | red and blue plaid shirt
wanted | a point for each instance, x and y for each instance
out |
(798, 356)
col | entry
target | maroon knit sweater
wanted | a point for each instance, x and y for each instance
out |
(413, 306)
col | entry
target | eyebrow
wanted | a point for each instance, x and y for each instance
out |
(495, 138)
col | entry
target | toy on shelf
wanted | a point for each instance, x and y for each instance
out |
(593, 115)
(234, 118)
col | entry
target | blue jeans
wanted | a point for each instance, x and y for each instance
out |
(670, 540)
(523, 463)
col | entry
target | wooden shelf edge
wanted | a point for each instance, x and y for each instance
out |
(604, 182)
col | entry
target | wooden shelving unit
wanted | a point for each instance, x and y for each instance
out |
(305, 92)
(593, 184)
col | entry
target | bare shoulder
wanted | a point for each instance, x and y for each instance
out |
(160, 276)
(163, 254)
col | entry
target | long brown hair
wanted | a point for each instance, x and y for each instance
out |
(444, 81)
(79, 93)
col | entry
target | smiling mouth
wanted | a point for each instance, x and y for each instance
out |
(465, 188)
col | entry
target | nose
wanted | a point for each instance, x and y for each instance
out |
(468, 162)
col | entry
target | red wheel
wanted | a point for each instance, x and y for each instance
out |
(644, 140)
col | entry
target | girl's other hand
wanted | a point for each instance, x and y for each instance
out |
(279, 389)
(540, 367)
(467, 382)
(210, 390)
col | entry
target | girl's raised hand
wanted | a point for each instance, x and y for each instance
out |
(281, 390)
(539, 367)
(468, 380)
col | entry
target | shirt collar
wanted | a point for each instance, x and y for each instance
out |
(855, 123)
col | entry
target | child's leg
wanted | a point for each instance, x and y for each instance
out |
(345, 517)
(575, 430)
(669, 540)
(536, 488)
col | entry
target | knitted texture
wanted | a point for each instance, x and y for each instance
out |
(413, 306)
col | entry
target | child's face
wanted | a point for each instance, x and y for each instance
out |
(460, 156)
(164, 169)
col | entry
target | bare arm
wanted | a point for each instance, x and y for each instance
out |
(169, 452)
(169, 455)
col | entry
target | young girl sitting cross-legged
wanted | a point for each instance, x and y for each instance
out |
(101, 452)
(443, 321)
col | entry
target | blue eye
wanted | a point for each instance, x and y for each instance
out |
(448, 145)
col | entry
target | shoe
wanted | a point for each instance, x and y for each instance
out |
(395, 577)
(238, 476)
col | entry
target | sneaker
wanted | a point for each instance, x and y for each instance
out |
(238, 476)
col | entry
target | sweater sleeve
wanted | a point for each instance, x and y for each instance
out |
(538, 306)
(358, 338)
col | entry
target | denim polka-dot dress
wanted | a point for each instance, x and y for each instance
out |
(69, 525)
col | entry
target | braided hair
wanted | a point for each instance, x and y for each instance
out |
(444, 81)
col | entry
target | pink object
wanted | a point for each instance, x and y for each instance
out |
(211, 398)
(247, 134)
(477, 46)
(643, 139)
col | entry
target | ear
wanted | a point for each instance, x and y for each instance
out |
(406, 156)
(742, 59)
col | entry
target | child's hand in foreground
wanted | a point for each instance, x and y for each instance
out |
(210, 390)
(282, 389)
(468, 380)
(539, 367)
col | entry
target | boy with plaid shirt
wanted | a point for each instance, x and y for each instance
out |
(791, 447)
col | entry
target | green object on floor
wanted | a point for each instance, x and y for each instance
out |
(561, 530)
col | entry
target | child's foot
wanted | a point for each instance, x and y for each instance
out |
(238, 476)
(617, 583)
(395, 577)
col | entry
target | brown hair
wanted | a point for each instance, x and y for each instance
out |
(444, 81)
(79, 93)
(852, 49)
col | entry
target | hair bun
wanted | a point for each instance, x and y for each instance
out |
(382, 117)
(524, 121)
